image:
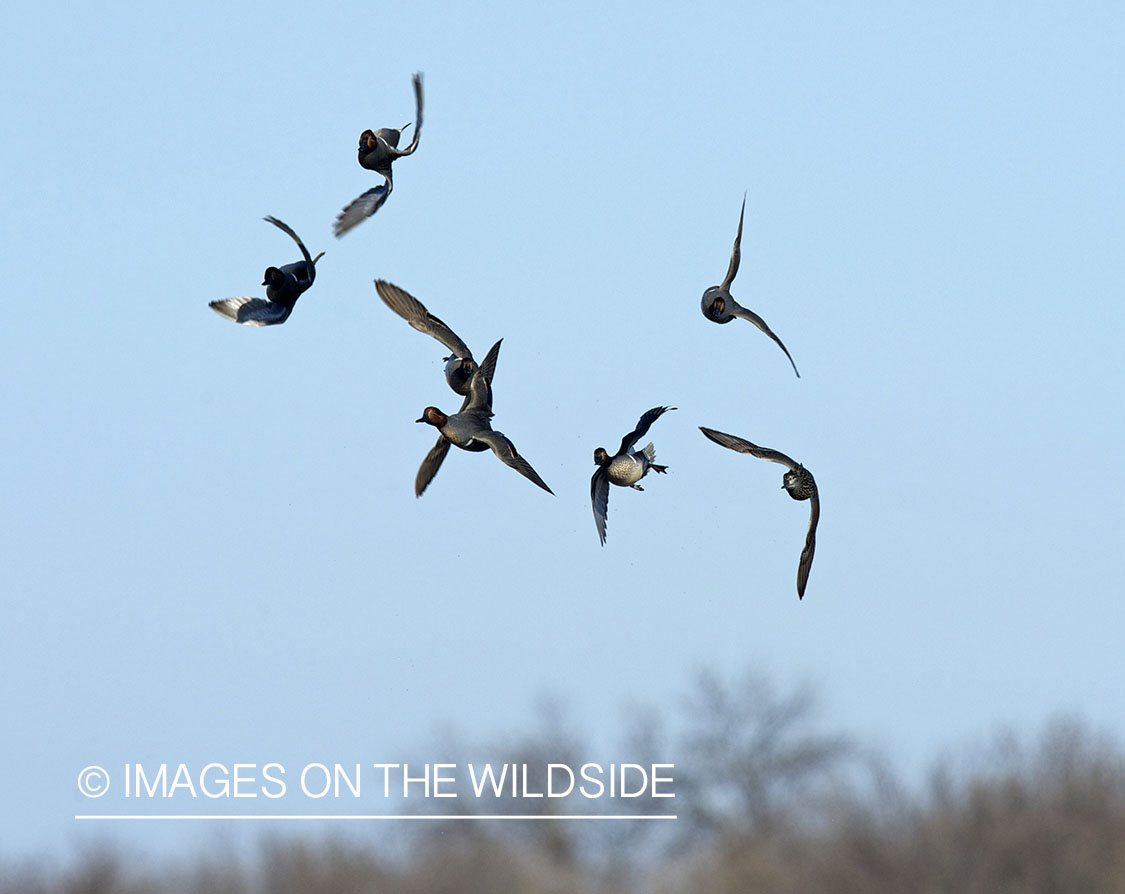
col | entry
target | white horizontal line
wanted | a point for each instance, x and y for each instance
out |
(377, 816)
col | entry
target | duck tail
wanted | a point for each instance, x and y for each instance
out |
(650, 454)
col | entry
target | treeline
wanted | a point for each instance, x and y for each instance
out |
(766, 802)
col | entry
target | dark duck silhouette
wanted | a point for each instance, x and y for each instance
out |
(284, 285)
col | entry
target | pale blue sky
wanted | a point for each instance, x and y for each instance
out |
(210, 545)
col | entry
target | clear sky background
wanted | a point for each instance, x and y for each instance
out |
(209, 545)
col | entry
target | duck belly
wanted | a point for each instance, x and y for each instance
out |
(627, 470)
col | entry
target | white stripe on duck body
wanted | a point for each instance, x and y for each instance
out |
(471, 429)
(284, 285)
(378, 150)
(460, 365)
(625, 468)
(798, 482)
(719, 306)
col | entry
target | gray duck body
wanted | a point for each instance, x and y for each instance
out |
(471, 429)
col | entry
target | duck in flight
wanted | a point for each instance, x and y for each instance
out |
(719, 306)
(378, 150)
(459, 365)
(798, 482)
(625, 468)
(284, 285)
(471, 429)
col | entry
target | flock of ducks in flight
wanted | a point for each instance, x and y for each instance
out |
(470, 428)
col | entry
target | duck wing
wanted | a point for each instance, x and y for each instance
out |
(599, 498)
(251, 311)
(642, 427)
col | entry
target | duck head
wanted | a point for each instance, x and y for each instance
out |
(433, 416)
(601, 457)
(792, 484)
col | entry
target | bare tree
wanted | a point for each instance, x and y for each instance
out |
(754, 756)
